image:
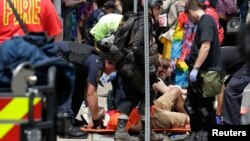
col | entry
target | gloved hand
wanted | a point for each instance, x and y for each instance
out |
(193, 75)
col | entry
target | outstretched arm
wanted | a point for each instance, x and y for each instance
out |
(92, 100)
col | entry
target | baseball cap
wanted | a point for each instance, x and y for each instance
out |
(109, 4)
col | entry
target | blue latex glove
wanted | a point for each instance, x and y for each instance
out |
(111, 77)
(193, 75)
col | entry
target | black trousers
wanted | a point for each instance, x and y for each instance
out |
(79, 93)
(118, 92)
(133, 82)
(200, 110)
(233, 95)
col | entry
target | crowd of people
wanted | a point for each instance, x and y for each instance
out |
(191, 38)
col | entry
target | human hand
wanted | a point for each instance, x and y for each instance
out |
(193, 75)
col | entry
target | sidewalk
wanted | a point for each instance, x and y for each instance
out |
(102, 91)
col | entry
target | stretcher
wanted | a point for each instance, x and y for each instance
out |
(180, 130)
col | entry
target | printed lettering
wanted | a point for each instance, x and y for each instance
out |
(36, 19)
(29, 11)
(231, 133)
(215, 132)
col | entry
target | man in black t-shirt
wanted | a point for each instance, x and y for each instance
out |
(205, 56)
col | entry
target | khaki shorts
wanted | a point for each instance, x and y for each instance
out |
(166, 101)
(168, 119)
(164, 117)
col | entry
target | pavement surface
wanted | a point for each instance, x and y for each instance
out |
(102, 92)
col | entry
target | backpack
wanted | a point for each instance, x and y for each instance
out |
(123, 35)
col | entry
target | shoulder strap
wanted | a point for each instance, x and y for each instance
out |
(25, 30)
(131, 39)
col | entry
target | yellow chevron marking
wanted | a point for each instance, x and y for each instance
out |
(16, 109)
(5, 128)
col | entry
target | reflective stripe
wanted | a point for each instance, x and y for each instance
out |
(4, 102)
(15, 109)
(5, 128)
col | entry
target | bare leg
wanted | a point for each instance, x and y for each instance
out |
(179, 103)
(220, 98)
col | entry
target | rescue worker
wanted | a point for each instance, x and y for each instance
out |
(204, 59)
(132, 73)
(89, 67)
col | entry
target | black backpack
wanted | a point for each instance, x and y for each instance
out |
(123, 37)
(121, 47)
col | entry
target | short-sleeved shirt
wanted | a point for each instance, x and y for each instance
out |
(212, 12)
(106, 24)
(38, 16)
(206, 31)
(94, 68)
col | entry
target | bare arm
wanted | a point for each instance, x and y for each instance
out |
(203, 53)
(161, 87)
(92, 100)
(59, 37)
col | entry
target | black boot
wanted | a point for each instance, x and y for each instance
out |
(121, 134)
(66, 129)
